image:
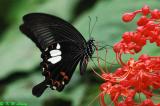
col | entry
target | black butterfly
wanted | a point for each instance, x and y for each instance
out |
(62, 47)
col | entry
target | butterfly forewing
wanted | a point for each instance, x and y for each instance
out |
(45, 30)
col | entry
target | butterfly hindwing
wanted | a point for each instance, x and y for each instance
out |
(69, 58)
(83, 64)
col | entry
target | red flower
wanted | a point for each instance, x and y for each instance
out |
(141, 76)
(135, 76)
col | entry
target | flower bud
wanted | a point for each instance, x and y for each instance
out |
(145, 10)
(127, 17)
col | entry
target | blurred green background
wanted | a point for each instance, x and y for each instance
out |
(20, 58)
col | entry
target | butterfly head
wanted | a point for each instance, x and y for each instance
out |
(91, 42)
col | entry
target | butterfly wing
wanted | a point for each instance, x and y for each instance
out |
(45, 29)
(83, 64)
(62, 47)
(59, 74)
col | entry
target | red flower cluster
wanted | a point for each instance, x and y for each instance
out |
(141, 76)
(135, 76)
(148, 29)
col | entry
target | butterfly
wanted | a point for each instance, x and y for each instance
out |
(62, 48)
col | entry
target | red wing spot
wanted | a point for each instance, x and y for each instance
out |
(62, 73)
(55, 83)
(65, 77)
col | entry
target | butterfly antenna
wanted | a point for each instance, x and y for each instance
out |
(93, 26)
(89, 26)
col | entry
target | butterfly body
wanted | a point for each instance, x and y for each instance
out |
(62, 47)
(89, 50)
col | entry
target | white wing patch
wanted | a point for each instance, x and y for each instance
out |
(54, 60)
(55, 55)
(58, 46)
